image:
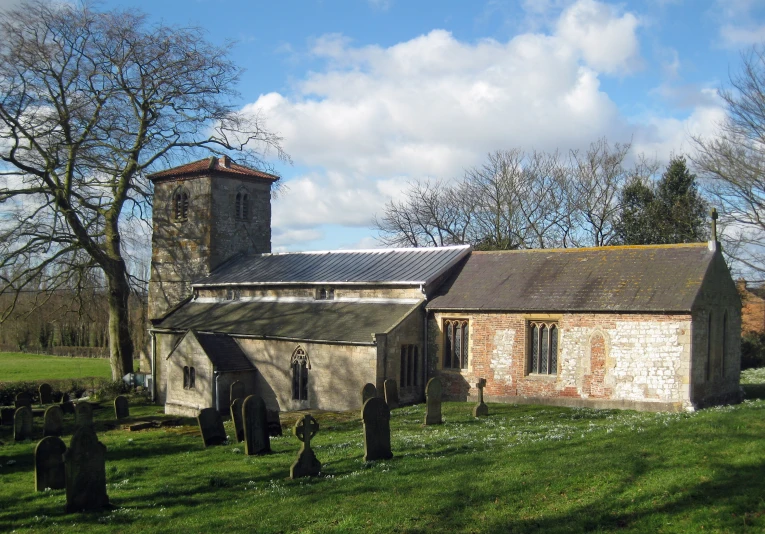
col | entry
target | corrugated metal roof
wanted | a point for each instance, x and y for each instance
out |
(379, 266)
(353, 322)
(224, 352)
(661, 278)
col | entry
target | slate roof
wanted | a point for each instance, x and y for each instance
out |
(224, 352)
(411, 266)
(353, 322)
(660, 278)
(222, 165)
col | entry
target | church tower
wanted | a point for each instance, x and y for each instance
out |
(205, 212)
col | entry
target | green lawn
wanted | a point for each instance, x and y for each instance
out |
(523, 469)
(15, 366)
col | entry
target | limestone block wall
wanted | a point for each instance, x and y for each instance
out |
(182, 401)
(409, 331)
(165, 343)
(607, 360)
(231, 235)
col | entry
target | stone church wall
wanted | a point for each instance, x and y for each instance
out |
(188, 401)
(407, 333)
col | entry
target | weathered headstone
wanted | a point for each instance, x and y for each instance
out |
(376, 417)
(6, 415)
(211, 426)
(480, 409)
(46, 394)
(368, 391)
(391, 393)
(53, 421)
(306, 465)
(22, 424)
(23, 399)
(274, 423)
(121, 408)
(433, 402)
(49, 464)
(85, 472)
(83, 414)
(236, 390)
(236, 417)
(255, 420)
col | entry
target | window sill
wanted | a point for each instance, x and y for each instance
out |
(536, 376)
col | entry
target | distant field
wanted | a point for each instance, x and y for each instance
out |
(16, 366)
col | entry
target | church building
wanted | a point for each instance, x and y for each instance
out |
(639, 327)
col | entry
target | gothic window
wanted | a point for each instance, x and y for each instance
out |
(181, 205)
(543, 347)
(300, 366)
(409, 358)
(189, 377)
(456, 344)
(242, 206)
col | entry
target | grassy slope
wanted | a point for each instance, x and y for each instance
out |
(16, 366)
(524, 469)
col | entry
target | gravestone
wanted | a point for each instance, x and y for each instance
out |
(480, 409)
(255, 420)
(46, 394)
(85, 472)
(67, 407)
(23, 399)
(121, 407)
(83, 414)
(306, 465)
(236, 417)
(6, 415)
(391, 393)
(368, 391)
(274, 423)
(376, 417)
(211, 426)
(49, 464)
(53, 421)
(22, 424)
(433, 402)
(236, 390)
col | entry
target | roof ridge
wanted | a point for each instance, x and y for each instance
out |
(596, 249)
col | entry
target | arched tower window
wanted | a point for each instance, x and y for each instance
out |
(181, 205)
(300, 366)
(242, 206)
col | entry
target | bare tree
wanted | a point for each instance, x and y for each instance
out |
(90, 102)
(733, 162)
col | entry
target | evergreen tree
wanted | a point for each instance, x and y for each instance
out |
(635, 226)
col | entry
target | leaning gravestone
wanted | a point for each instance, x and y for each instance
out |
(53, 421)
(391, 393)
(83, 414)
(49, 464)
(433, 402)
(46, 394)
(255, 420)
(211, 426)
(306, 465)
(236, 417)
(85, 472)
(480, 409)
(23, 399)
(368, 391)
(22, 424)
(236, 391)
(121, 408)
(376, 417)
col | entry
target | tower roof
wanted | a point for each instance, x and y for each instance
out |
(223, 165)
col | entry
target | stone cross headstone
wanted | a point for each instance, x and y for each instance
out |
(368, 391)
(121, 407)
(49, 464)
(22, 424)
(306, 465)
(23, 399)
(255, 420)
(433, 402)
(53, 421)
(85, 472)
(83, 414)
(480, 409)
(376, 417)
(391, 393)
(46, 394)
(236, 417)
(236, 390)
(211, 426)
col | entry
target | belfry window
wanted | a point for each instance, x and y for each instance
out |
(242, 206)
(181, 205)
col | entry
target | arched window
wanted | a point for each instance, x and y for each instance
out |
(181, 205)
(456, 344)
(242, 206)
(185, 377)
(543, 348)
(189, 377)
(300, 366)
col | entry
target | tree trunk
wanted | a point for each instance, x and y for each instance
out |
(120, 343)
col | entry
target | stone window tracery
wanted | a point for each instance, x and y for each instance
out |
(300, 366)
(456, 344)
(181, 205)
(543, 347)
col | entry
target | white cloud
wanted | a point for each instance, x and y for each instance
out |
(737, 29)
(741, 36)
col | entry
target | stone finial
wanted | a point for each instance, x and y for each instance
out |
(713, 214)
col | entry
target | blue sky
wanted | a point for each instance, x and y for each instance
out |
(369, 95)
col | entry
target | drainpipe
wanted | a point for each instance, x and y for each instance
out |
(216, 374)
(153, 363)
(424, 348)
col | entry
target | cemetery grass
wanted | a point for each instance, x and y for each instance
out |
(17, 367)
(522, 469)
